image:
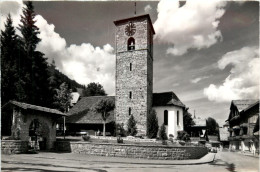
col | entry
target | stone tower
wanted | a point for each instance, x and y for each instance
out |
(134, 70)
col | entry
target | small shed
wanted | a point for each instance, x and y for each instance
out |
(27, 119)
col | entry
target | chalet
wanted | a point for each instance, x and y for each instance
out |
(243, 121)
(223, 135)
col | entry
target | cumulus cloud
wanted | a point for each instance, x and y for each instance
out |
(243, 80)
(148, 8)
(12, 7)
(83, 63)
(196, 80)
(193, 25)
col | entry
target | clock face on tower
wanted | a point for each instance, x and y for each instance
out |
(130, 29)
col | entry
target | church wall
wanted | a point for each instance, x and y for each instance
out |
(172, 127)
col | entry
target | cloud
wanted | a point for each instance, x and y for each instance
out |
(83, 63)
(193, 25)
(12, 7)
(196, 80)
(243, 80)
(148, 8)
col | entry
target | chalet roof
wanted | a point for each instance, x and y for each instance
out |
(199, 122)
(81, 112)
(166, 99)
(134, 18)
(37, 108)
(226, 124)
(243, 104)
(223, 134)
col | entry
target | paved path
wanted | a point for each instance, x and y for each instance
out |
(80, 162)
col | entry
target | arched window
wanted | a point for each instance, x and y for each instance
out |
(131, 44)
(129, 111)
(178, 118)
(165, 117)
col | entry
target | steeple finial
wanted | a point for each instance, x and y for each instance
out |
(135, 8)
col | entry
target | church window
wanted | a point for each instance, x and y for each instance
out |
(166, 117)
(129, 111)
(131, 44)
(130, 94)
(130, 66)
(178, 118)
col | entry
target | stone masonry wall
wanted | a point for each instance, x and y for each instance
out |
(23, 120)
(137, 151)
(138, 81)
(14, 146)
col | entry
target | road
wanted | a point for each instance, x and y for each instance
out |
(224, 162)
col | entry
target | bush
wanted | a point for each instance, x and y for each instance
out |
(182, 142)
(183, 135)
(86, 138)
(152, 125)
(119, 140)
(162, 133)
(131, 126)
(120, 131)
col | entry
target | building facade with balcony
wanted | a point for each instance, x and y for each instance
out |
(242, 123)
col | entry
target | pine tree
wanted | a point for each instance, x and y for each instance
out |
(152, 125)
(162, 133)
(52, 82)
(131, 126)
(11, 71)
(35, 65)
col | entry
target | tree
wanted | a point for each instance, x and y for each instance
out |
(10, 48)
(131, 126)
(104, 106)
(63, 97)
(162, 133)
(94, 89)
(212, 126)
(152, 125)
(34, 63)
(187, 120)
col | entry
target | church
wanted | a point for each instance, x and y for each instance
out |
(134, 84)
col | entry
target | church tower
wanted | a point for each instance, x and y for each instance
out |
(134, 70)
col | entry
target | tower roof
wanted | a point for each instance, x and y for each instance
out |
(147, 16)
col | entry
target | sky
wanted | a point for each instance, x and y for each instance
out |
(207, 53)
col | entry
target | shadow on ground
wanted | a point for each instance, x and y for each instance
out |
(229, 166)
(43, 165)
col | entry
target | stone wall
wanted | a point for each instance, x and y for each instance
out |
(139, 80)
(22, 120)
(14, 146)
(138, 151)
